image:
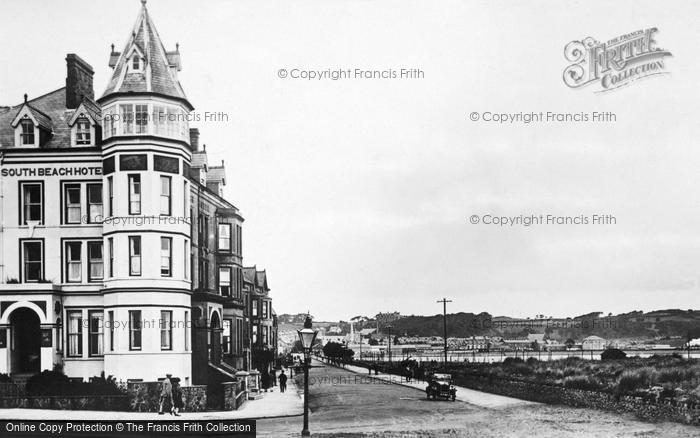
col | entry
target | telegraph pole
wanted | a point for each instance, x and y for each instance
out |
(389, 328)
(444, 302)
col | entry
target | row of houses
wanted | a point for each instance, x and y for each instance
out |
(119, 252)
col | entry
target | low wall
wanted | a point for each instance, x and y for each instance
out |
(91, 403)
(145, 397)
(234, 395)
(662, 410)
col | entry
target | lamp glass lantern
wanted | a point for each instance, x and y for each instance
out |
(307, 337)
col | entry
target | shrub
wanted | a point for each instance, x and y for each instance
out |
(633, 380)
(613, 354)
(512, 361)
(532, 361)
(42, 383)
(55, 383)
(676, 375)
(587, 383)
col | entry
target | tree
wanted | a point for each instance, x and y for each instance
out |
(613, 354)
(337, 351)
(570, 343)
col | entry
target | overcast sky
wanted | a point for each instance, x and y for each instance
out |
(357, 193)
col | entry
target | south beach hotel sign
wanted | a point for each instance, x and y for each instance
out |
(615, 63)
(51, 171)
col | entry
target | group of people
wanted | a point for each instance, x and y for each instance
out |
(170, 396)
(171, 393)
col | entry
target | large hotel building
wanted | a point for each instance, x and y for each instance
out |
(118, 251)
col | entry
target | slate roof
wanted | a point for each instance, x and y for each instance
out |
(49, 108)
(156, 76)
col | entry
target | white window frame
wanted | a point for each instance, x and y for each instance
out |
(24, 204)
(94, 217)
(24, 261)
(70, 263)
(166, 199)
(166, 255)
(223, 283)
(94, 262)
(135, 257)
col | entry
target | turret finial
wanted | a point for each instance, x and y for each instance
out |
(143, 2)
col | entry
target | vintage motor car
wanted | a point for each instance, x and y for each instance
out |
(440, 387)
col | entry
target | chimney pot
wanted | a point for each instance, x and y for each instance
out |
(25, 97)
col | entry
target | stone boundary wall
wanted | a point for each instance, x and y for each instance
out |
(650, 410)
(78, 403)
(145, 397)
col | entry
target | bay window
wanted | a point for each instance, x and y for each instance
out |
(166, 255)
(224, 237)
(126, 118)
(141, 119)
(166, 330)
(135, 255)
(135, 194)
(165, 195)
(225, 281)
(134, 329)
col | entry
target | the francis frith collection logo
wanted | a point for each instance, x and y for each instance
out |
(615, 63)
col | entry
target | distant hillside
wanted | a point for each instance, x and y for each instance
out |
(657, 324)
(459, 325)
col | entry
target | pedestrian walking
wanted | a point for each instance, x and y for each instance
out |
(166, 395)
(283, 382)
(177, 397)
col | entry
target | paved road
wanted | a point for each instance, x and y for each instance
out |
(345, 404)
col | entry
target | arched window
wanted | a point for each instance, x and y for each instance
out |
(136, 62)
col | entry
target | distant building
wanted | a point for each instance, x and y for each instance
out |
(593, 343)
(335, 330)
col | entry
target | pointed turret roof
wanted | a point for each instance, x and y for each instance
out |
(158, 68)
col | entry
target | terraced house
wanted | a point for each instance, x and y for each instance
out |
(119, 251)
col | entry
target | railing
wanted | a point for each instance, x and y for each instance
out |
(10, 389)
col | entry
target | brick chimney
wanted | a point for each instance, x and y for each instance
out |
(194, 139)
(78, 81)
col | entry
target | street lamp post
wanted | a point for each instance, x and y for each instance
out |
(306, 336)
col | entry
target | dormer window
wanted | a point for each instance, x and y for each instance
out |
(84, 127)
(26, 132)
(136, 62)
(82, 134)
